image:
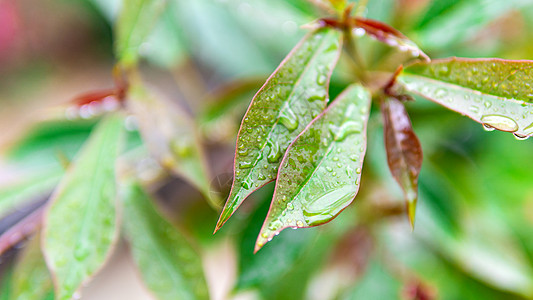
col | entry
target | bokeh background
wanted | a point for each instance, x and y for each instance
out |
(474, 228)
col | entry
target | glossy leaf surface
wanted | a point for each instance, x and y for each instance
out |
(31, 279)
(321, 171)
(80, 224)
(169, 266)
(136, 21)
(404, 153)
(293, 95)
(493, 92)
(171, 137)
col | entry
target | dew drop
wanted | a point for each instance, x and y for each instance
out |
(247, 183)
(488, 128)
(474, 108)
(299, 223)
(81, 252)
(275, 225)
(358, 170)
(529, 129)
(290, 206)
(321, 79)
(499, 122)
(487, 104)
(274, 153)
(329, 169)
(346, 129)
(316, 97)
(289, 119)
(264, 235)
(444, 70)
(520, 137)
(245, 164)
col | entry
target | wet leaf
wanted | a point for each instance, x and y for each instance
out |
(388, 35)
(493, 92)
(295, 93)
(136, 21)
(404, 153)
(170, 135)
(169, 265)
(80, 224)
(321, 171)
(26, 191)
(31, 278)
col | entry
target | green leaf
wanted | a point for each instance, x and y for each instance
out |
(377, 283)
(80, 225)
(321, 171)
(26, 191)
(295, 93)
(171, 137)
(136, 21)
(265, 268)
(493, 92)
(404, 153)
(31, 278)
(453, 23)
(169, 265)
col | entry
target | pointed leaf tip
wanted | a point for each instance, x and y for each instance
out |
(295, 93)
(321, 171)
(404, 153)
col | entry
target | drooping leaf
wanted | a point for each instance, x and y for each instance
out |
(169, 265)
(404, 153)
(388, 35)
(136, 21)
(27, 191)
(321, 171)
(493, 92)
(80, 224)
(295, 93)
(170, 135)
(31, 278)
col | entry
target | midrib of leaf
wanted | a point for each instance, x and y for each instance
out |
(304, 70)
(89, 211)
(322, 159)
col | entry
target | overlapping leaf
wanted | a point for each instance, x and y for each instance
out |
(31, 279)
(496, 93)
(295, 93)
(320, 173)
(80, 226)
(170, 135)
(404, 153)
(170, 267)
(136, 21)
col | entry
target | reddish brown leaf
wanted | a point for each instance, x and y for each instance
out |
(404, 153)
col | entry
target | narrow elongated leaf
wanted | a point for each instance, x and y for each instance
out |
(17, 195)
(169, 266)
(80, 225)
(170, 135)
(388, 35)
(31, 279)
(493, 92)
(404, 153)
(136, 21)
(295, 93)
(320, 173)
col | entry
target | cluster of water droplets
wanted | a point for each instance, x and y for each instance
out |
(92, 109)
(500, 101)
